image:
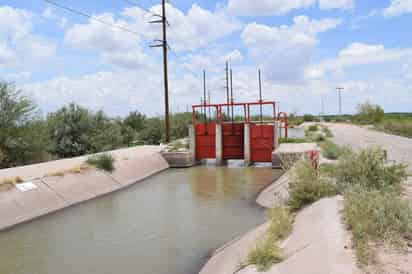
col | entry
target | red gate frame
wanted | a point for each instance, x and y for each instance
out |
(257, 143)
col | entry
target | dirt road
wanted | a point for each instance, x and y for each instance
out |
(399, 148)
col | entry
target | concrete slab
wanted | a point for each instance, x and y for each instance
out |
(39, 201)
(75, 188)
(36, 171)
(11, 213)
(297, 148)
(276, 194)
(130, 171)
(318, 243)
(227, 259)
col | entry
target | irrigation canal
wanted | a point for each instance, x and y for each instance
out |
(169, 223)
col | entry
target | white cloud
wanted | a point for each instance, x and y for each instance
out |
(49, 13)
(398, 7)
(356, 54)
(18, 45)
(7, 56)
(18, 76)
(95, 35)
(278, 7)
(336, 4)
(266, 7)
(15, 23)
(195, 29)
(284, 51)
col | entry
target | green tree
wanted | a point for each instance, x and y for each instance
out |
(135, 120)
(153, 132)
(21, 131)
(369, 113)
(70, 129)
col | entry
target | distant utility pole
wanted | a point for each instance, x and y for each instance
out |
(340, 89)
(260, 97)
(227, 86)
(231, 91)
(163, 44)
(204, 93)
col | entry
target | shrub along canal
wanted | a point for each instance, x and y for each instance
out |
(167, 224)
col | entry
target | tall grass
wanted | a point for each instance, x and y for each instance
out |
(376, 217)
(103, 161)
(369, 169)
(306, 186)
(267, 251)
(397, 127)
(332, 151)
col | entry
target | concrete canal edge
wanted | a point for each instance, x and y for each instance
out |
(318, 233)
(56, 192)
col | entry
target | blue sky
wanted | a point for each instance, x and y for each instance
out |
(305, 48)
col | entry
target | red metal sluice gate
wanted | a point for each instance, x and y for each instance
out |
(261, 133)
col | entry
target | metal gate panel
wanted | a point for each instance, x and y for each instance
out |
(233, 140)
(261, 142)
(205, 141)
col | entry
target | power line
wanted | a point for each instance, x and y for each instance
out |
(133, 3)
(91, 17)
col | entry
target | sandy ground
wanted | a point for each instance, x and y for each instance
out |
(399, 149)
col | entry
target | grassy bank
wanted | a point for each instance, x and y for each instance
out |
(375, 212)
(267, 251)
(401, 127)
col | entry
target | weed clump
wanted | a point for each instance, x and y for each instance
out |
(267, 251)
(369, 169)
(378, 217)
(332, 151)
(314, 127)
(103, 161)
(306, 186)
(328, 133)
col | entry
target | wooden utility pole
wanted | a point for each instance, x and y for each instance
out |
(164, 45)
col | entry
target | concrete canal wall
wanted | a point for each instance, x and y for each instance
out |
(54, 191)
(317, 244)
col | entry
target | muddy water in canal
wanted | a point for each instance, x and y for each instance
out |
(167, 224)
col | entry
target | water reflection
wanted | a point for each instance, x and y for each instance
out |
(166, 224)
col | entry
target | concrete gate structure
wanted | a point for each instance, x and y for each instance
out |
(222, 139)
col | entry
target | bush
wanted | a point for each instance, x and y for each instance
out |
(332, 151)
(267, 251)
(103, 161)
(376, 217)
(369, 168)
(314, 127)
(308, 118)
(328, 133)
(75, 131)
(369, 114)
(306, 187)
(401, 128)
